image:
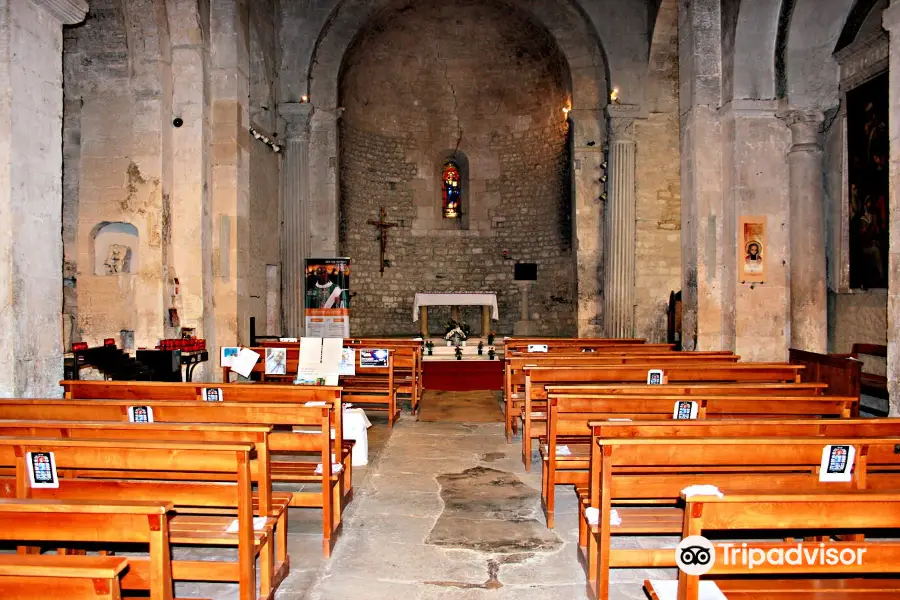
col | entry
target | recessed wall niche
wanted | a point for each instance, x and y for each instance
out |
(115, 249)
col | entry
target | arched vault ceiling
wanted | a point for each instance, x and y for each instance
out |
(604, 41)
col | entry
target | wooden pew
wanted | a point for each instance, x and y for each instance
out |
(107, 522)
(300, 395)
(569, 423)
(644, 477)
(70, 577)
(538, 378)
(112, 470)
(841, 374)
(806, 579)
(316, 421)
(374, 387)
(515, 363)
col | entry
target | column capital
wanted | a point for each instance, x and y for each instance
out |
(621, 121)
(804, 125)
(69, 12)
(890, 18)
(296, 116)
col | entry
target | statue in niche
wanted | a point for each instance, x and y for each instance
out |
(118, 259)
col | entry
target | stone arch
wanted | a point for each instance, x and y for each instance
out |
(858, 18)
(571, 28)
(808, 71)
(753, 64)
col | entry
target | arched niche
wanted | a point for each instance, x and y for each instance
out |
(115, 249)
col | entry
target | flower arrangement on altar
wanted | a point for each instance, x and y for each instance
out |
(457, 333)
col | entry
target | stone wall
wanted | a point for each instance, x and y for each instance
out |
(658, 177)
(491, 86)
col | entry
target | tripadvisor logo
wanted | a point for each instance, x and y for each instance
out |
(695, 555)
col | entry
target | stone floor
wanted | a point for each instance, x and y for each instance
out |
(443, 511)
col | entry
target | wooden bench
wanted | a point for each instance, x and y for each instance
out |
(70, 577)
(840, 373)
(837, 579)
(115, 469)
(299, 395)
(644, 478)
(374, 387)
(538, 378)
(515, 363)
(39, 522)
(569, 419)
(316, 421)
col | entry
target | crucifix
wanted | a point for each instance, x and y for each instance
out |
(383, 228)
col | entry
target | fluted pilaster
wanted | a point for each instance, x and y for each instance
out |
(618, 288)
(295, 217)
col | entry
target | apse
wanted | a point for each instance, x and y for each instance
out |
(455, 121)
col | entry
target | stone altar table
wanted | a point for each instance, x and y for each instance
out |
(487, 301)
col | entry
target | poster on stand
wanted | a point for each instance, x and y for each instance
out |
(327, 298)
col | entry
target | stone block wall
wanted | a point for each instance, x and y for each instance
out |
(492, 87)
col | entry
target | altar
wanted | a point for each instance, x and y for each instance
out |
(487, 302)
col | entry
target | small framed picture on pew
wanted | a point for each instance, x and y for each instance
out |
(212, 394)
(42, 469)
(377, 358)
(837, 462)
(140, 414)
(685, 409)
(655, 377)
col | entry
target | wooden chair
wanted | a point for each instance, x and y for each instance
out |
(537, 379)
(86, 522)
(643, 479)
(102, 470)
(69, 577)
(570, 417)
(839, 578)
(315, 421)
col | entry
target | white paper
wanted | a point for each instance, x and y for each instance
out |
(332, 351)
(259, 523)
(243, 363)
(140, 414)
(702, 490)
(289, 340)
(614, 419)
(228, 355)
(310, 352)
(316, 403)
(538, 348)
(592, 515)
(834, 457)
(335, 468)
(685, 409)
(42, 469)
(655, 377)
(348, 362)
(563, 451)
(668, 590)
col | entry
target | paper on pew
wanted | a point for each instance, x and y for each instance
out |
(316, 403)
(668, 590)
(242, 364)
(593, 516)
(563, 451)
(702, 490)
(259, 523)
(335, 468)
(613, 419)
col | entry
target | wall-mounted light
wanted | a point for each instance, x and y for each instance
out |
(265, 140)
(604, 178)
(604, 165)
(614, 96)
(304, 99)
(603, 197)
(566, 110)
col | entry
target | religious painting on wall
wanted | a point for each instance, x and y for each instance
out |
(752, 250)
(327, 299)
(451, 190)
(868, 151)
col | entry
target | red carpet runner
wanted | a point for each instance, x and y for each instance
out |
(462, 376)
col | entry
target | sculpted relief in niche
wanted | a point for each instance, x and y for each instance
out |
(115, 249)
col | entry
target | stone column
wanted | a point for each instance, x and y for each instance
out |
(618, 287)
(891, 22)
(809, 300)
(295, 214)
(31, 267)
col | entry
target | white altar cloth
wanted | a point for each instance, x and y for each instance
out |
(460, 299)
(355, 425)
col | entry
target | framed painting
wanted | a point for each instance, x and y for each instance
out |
(868, 153)
(752, 250)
